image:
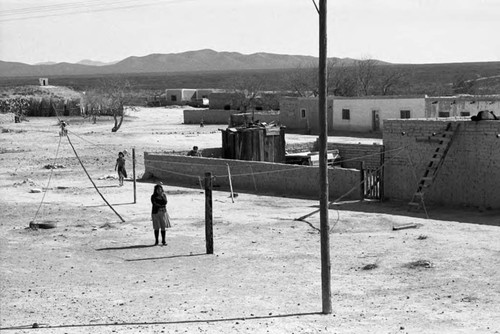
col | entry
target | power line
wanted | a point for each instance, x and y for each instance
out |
(75, 8)
(56, 7)
(48, 183)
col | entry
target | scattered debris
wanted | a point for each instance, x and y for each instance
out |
(370, 266)
(108, 177)
(43, 225)
(53, 166)
(422, 237)
(29, 182)
(468, 299)
(419, 264)
(11, 150)
(405, 226)
(4, 130)
(107, 226)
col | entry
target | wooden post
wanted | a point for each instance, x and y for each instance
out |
(133, 175)
(230, 182)
(381, 173)
(209, 234)
(362, 185)
(323, 165)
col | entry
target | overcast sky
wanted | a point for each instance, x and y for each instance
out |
(399, 31)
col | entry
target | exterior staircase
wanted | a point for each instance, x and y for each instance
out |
(433, 166)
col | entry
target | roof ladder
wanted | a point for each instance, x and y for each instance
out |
(433, 167)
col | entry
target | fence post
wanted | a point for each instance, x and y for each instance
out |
(133, 175)
(209, 234)
(382, 164)
(362, 179)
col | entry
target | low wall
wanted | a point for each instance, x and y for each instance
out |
(470, 174)
(353, 154)
(259, 116)
(252, 176)
(209, 116)
(218, 116)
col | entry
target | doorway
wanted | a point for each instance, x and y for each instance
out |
(375, 120)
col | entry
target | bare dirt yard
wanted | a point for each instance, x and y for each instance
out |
(93, 273)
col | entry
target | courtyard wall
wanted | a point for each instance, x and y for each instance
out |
(219, 116)
(470, 174)
(209, 116)
(252, 176)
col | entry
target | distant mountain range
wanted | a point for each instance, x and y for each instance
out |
(95, 63)
(202, 60)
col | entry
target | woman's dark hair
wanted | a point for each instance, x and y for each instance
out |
(156, 187)
(121, 154)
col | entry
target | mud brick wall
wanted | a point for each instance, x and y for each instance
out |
(251, 176)
(209, 116)
(353, 154)
(470, 174)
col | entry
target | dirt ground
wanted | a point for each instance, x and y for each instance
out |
(96, 274)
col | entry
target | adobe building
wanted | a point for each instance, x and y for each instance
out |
(367, 113)
(461, 105)
(179, 96)
(470, 171)
(301, 114)
(225, 100)
(349, 114)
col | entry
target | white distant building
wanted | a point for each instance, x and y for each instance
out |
(180, 96)
(43, 81)
(350, 114)
(461, 105)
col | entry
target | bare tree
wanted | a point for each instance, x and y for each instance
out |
(341, 80)
(303, 80)
(390, 80)
(365, 75)
(109, 97)
(247, 92)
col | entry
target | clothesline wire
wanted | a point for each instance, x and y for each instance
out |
(48, 183)
(226, 175)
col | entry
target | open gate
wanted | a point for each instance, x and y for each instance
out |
(372, 185)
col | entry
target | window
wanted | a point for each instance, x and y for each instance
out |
(464, 113)
(227, 107)
(173, 98)
(444, 114)
(258, 108)
(405, 113)
(303, 113)
(346, 114)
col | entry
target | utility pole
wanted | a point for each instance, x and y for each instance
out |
(323, 165)
(209, 233)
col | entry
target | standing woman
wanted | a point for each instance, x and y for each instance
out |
(159, 214)
(120, 166)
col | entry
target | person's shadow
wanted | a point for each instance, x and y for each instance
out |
(125, 247)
